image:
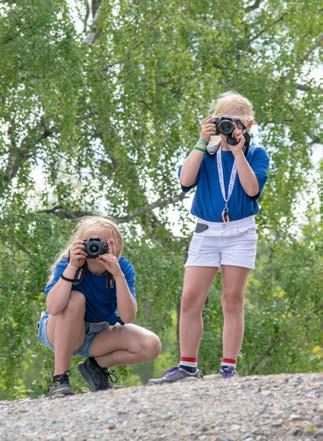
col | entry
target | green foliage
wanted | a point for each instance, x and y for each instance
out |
(95, 121)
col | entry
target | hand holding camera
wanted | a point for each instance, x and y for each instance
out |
(208, 129)
(103, 252)
(230, 127)
(77, 254)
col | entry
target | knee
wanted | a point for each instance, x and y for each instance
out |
(232, 302)
(191, 302)
(150, 346)
(75, 304)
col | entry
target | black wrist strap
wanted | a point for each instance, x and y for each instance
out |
(67, 279)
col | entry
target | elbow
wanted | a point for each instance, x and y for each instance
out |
(253, 191)
(186, 183)
(253, 194)
(129, 317)
(53, 309)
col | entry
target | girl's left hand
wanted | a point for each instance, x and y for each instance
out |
(238, 136)
(110, 261)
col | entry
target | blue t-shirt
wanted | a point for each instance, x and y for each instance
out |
(208, 202)
(101, 300)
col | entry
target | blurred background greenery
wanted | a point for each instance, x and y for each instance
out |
(99, 102)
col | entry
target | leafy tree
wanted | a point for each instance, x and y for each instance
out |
(95, 121)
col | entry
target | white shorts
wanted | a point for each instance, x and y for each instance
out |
(215, 244)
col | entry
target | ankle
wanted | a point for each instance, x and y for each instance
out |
(189, 364)
(229, 362)
(62, 377)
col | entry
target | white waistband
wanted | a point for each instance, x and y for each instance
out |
(245, 222)
(230, 229)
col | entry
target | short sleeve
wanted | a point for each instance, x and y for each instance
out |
(260, 166)
(186, 189)
(130, 274)
(58, 271)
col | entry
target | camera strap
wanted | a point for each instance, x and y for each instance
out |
(79, 273)
(225, 212)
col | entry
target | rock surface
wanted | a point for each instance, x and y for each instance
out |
(257, 408)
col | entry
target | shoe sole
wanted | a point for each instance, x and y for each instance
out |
(151, 383)
(59, 395)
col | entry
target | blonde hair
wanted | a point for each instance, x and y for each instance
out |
(81, 230)
(238, 105)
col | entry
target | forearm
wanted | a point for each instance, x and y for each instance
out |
(127, 307)
(60, 293)
(190, 168)
(246, 175)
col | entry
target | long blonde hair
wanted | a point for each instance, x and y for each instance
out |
(239, 105)
(86, 224)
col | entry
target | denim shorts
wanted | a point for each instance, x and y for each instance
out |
(91, 330)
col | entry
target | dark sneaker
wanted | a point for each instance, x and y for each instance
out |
(174, 374)
(228, 372)
(61, 386)
(96, 377)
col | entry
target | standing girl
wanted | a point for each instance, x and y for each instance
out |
(229, 177)
(91, 303)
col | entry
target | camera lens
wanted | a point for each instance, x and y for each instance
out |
(226, 127)
(94, 248)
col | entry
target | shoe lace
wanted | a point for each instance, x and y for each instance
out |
(227, 371)
(170, 372)
(110, 376)
(64, 378)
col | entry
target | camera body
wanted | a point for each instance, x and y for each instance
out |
(225, 126)
(95, 247)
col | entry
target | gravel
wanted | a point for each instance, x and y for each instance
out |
(256, 408)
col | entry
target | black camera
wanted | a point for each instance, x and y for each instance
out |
(226, 126)
(95, 247)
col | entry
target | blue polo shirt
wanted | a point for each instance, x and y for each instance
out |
(208, 202)
(101, 300)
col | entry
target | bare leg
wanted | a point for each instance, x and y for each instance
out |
(197, 281)
(127, 344)
(65, 331)
(234, 284)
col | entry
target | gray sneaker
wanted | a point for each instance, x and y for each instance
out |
(228, 372)
(61, 387)
(96, 377)
(174, 374)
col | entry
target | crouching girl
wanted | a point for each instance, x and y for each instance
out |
(91, 304)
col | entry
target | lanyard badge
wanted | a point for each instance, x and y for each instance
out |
(225, 212)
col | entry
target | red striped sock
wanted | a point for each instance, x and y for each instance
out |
(188, 363)
(229, 362)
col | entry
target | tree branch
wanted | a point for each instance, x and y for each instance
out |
(86, 18)
(253, 7)
(66, 213)
(262, 31)
(161, 203)
(19, 155)
(94, 33)
(287, 77)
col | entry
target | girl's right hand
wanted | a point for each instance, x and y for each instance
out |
(208, 128)
(77, 254)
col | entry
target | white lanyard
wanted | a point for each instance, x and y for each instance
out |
(225, 212)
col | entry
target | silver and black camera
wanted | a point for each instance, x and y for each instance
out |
(95, 247)
(225, 126)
